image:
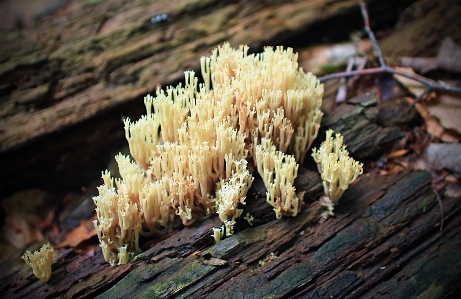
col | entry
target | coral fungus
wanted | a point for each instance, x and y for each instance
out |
(337, 170)
(40, 261)
(198, 144)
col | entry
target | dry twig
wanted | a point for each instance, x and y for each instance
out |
(384, 68)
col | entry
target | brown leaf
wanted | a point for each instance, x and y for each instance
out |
(433, 126)
(415, 87)
(445, 156)
(453, 190)
(420, 64)
(398, 153)
(324, 58)
(393, 169)
(447, 109)
(84, 232)
(448, 59)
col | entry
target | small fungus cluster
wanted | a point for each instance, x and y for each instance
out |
(40, 261)
(337, 170)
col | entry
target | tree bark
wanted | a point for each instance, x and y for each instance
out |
(383, 241)
(67, 81)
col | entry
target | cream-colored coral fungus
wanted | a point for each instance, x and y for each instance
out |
(119, 218)
(278, 172)
(195, 149)
(40, 261)
(337, 170)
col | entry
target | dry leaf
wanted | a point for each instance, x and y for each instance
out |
(392, 170)
(445, 156)
(448, 59)
(452, 179)
(415, 87)
(214, 262)
(398, 153)
(326, 58)
(83, 232)
(453, 190)
(447, 109)
(433, 126)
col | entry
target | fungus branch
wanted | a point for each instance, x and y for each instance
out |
(337, 170)
(40, 261)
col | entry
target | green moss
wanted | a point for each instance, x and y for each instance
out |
(330, 68)
(91, 2)
(191, 273)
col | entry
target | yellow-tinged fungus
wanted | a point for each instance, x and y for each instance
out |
(218, 233)
(196, 148)
(40, 261)
(249, 218)
(337, 170)
(119, 219)
(278, 171)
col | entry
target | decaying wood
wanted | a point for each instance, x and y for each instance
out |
(383, 240)
(66, 82)
(421, 29)
(94, 59)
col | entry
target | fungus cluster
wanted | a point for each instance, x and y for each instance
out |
(336, 168)
(196, 148)
(40, 261)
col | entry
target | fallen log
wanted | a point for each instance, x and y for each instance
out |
(67, 81)
(384, 239)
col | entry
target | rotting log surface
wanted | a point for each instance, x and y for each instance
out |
(66, 82)
(384, 240)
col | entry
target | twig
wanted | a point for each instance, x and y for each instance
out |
(421, 96)
(358, 64)
(341, 94)
(384, 68)
(370, 33)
